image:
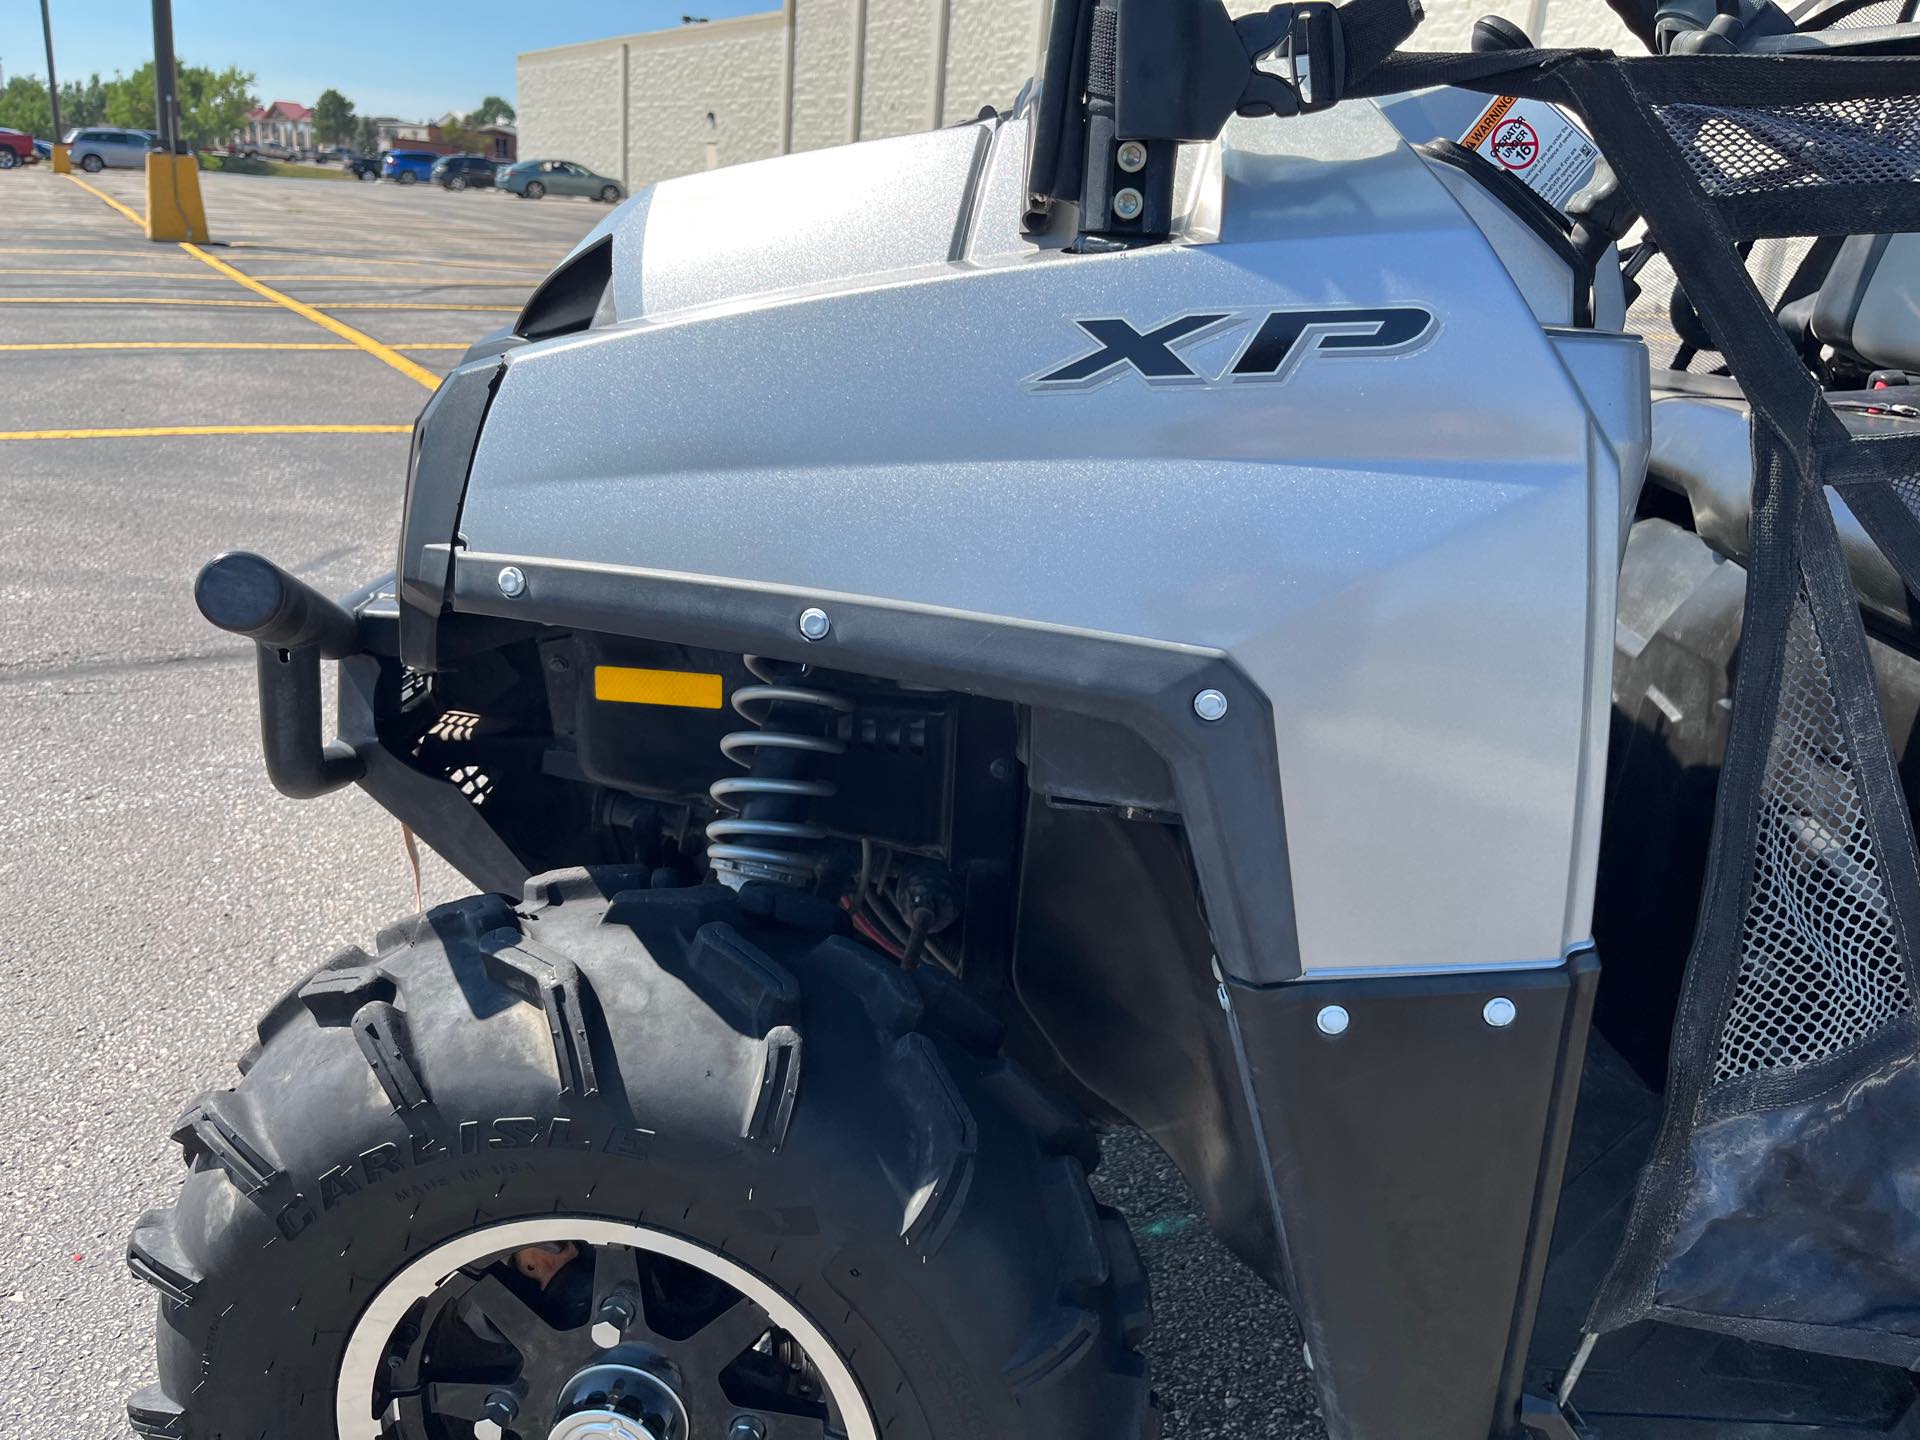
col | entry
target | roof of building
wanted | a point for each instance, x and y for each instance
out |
(285, 109)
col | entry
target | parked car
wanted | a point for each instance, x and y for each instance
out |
(408, 167)
(362, 167)
(16, 148)
(531, 179)
(462, 172)
(268, 149)
(43, 149)
(96, 148)
(333, 155)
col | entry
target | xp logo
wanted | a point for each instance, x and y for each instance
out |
(1278, 346)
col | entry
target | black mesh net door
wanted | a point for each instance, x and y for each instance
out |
(1782, 1201)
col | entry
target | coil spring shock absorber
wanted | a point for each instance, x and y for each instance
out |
(769, 832)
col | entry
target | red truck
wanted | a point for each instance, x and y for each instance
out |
(16, 148)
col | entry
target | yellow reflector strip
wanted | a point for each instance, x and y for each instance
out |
(686, 689)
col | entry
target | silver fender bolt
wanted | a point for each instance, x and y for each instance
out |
(1333, 1020)
(814, 623)
(1129, 203)
(1210, 705)
(1499, 1012)
(1131, 157)
(513, 582)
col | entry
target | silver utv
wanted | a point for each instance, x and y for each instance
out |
(1181, 605)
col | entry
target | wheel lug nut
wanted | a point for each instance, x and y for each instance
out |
(616, 1314)
(747, 1427)
(495, 1415)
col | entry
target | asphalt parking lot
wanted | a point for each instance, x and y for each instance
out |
(157, 404)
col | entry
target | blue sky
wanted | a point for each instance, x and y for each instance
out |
(411, 60)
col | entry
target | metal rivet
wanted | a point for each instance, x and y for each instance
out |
(814, 623)
(1131, 157)
(1333, 1020)
(513, 582)
(1129, 203)
(1499, 1012)
(1210, 705)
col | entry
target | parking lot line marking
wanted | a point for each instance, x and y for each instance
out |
(135, 216)
(277, 252)
(98, 273)
(413, 371)
(374, 280)
(414, 305)
(130, 300)
(143, 432)
(215, 345)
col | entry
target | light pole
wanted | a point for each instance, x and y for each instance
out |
(174, 211)
(53, 92)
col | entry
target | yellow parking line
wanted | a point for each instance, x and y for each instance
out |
(99, 272)
(414, 305)
(142, 432)
(277, 252)
(395, 280)
(129, 300)
(218, 345)
(415, 372)
(418, 373)
(132, 215)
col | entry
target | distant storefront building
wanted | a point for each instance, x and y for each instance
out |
(826, 72)
(281, 123)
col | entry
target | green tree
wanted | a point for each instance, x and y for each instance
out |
(491, 111)
(23, 105)
(464, 138)
(366, 137)
(333, 118)
(213, 103)
(83, 102)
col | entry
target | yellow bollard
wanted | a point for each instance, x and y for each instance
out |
(174, 211)
(62, 160)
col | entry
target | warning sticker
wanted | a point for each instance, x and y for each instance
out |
(1537, 143)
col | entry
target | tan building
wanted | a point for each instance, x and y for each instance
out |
(825, 72)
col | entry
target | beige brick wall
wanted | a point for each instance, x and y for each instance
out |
(823, 71)
(569, 105)
(902, 37)
(734, 73)
(736, 70)
(992, 49)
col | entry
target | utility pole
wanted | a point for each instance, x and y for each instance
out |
(53, 84)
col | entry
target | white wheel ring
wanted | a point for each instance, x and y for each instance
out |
(353, 1395)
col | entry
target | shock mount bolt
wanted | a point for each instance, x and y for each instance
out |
(1129, 203)
(513, 582)
(1131, 157)
(814, 623)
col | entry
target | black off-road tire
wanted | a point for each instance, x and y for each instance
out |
(660, 1057)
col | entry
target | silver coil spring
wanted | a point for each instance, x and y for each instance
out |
(768, 832)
